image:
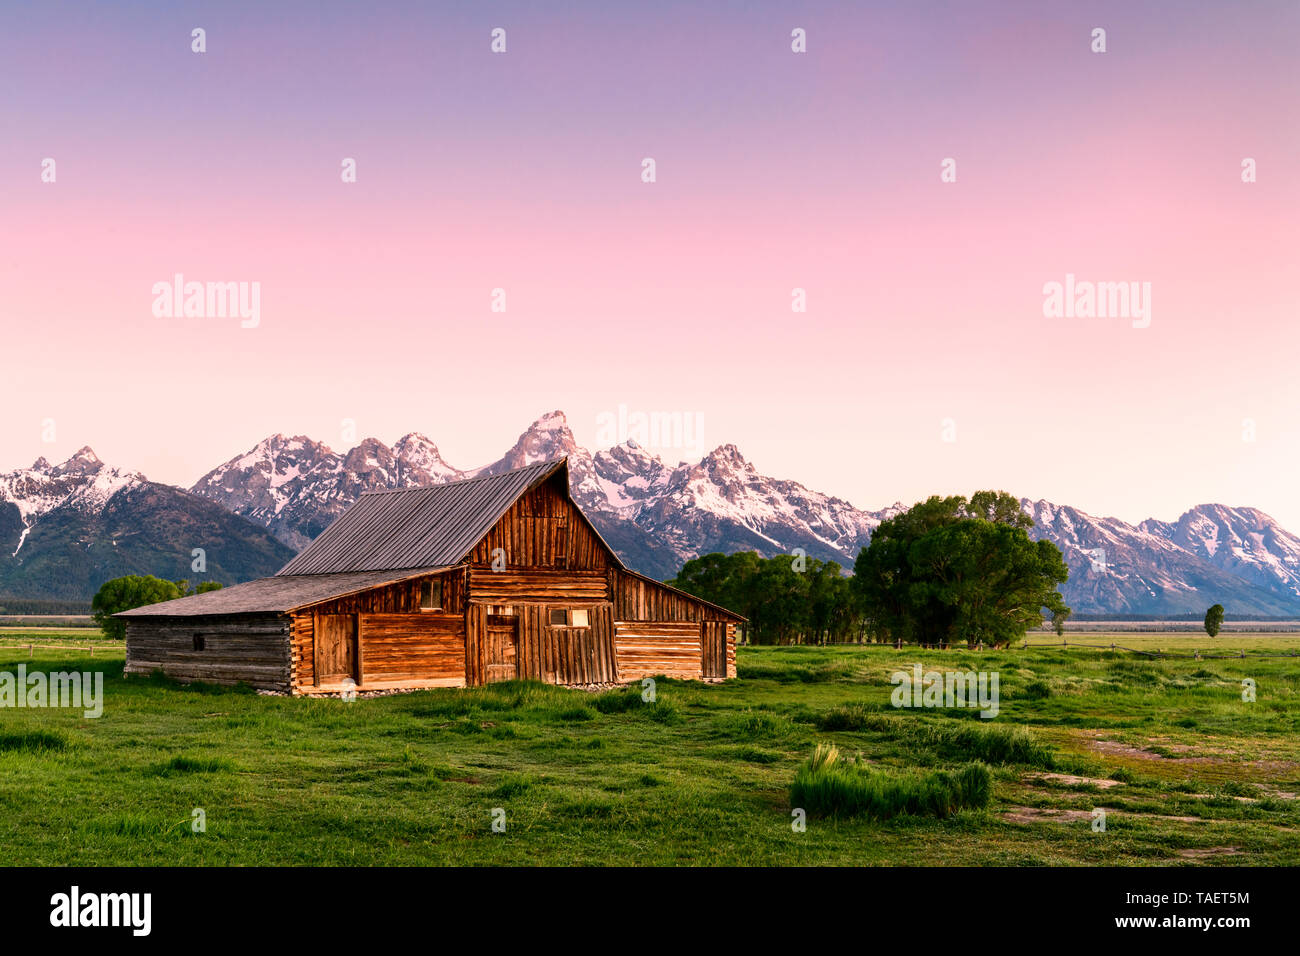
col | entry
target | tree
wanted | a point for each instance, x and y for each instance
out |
(134, 590)
(949, 570)
(1059, 618)
(1214, 620)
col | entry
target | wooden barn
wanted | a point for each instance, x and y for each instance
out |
(452, 585)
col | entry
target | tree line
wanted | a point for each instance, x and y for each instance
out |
(949, 570)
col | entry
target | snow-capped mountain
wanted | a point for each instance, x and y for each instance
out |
(82, 483)
(295, 487)
(1165, 568)
(67, 528)
(1244, 542)
(658, 515)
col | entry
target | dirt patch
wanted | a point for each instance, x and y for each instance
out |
(1206, 852)
(1071, 780)
(1210, 796)
(1041, 814)
(1117, 748)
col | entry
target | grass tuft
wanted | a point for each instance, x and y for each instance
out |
(826, 786)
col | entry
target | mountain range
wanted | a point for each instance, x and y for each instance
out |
(64, 528)
(67, 528)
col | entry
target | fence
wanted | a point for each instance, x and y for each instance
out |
(1195, 655)
(31, 647)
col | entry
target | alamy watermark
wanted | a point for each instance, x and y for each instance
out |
(178, 299)
(975, 689)
(78, 690)
(677, 431)
(1100, 300)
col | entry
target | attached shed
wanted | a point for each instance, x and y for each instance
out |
(487, 579)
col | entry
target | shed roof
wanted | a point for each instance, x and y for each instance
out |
(279, 594)
(432, 526)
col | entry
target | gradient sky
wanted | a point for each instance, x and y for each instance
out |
(775, 170)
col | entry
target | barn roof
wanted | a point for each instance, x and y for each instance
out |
(432, 526)
(279, 594)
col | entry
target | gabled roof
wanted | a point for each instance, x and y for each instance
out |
(432, 526)
(276, 595)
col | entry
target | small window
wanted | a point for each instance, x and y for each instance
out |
(561, 617)
(199, 643)
(431, 595)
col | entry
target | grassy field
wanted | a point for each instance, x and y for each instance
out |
(1188, 773)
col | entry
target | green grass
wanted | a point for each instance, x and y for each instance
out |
(707, 774)
(829, 786)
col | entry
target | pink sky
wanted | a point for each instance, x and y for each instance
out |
(775, 170)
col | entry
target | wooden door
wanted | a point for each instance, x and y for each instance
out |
(713, 647)
(501, 648)
(336, 648)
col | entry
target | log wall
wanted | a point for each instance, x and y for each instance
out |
(426, 648)
(400, 599)
(254, 650)
(536, 586)
(651, 648)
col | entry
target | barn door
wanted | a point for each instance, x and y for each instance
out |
(336, 648)
(501, 648)
(714, 648)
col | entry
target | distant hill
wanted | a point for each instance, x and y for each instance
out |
(65, 529)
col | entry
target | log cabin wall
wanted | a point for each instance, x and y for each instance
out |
(397, 643)
(412, 650)
(652, 648)
(251, 649)
(659, 630)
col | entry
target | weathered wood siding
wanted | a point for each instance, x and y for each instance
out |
(401, 599)
(552, 653)
(543, 529)
(536, 586)
(302, 651)
(636, 599)
(713, 648)
(426, 648)
(731, 649)
(661, 631)
(254, 650)
(650, 648)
